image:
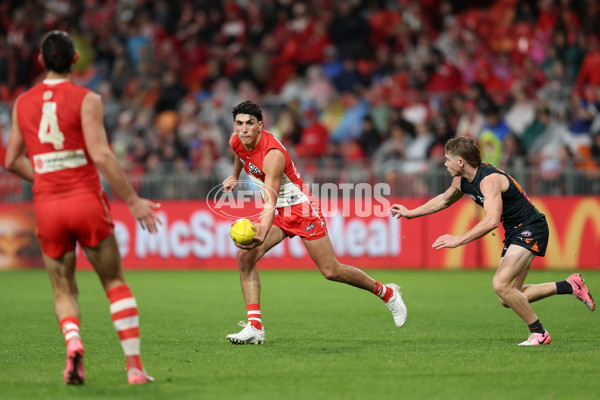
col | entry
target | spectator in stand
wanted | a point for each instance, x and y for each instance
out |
(513, 154)
(521, 113)
(436, 151)
(492, 135)
(557, 89)
(589, 74)
(349, 30)
(349, 127)
(319, 90)
(314, 137)
(292, 89)
(471, 121)
(476, 92)
(552, 179)
(288, 129)
(384, 64)
(171, 93)
(389, 157)
(349, 79)
(416, 151)
(369, 139)
(583, 109)
(241, 70)
(537, 128)
(444, 76)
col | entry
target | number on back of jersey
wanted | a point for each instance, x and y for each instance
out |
(49, 131)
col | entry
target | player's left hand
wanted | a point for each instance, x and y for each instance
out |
(143, 211)
(446, 241)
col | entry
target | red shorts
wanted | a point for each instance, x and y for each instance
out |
(302, 220)
(64, 220)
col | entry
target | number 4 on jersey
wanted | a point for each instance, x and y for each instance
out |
(49, 131)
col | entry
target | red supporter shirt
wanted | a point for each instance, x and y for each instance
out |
(293, 189)
(49, 115)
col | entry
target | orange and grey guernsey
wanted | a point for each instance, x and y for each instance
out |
(293, 189)
(516, 206)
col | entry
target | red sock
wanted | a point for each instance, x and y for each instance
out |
(254, 315)
(124, 313)
(384, 292)
(70, 328)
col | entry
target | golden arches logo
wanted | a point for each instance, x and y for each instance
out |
(563, 252)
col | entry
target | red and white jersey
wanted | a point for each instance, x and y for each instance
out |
(49, 115)
(293, 189)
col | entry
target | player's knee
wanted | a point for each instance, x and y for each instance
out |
(331, 272)
(245, 258)
(500, 288)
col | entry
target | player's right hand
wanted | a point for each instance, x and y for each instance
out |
(230, 183)
(143, 211)
(399, 211)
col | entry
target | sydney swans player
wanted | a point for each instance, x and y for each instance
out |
(60, 125)
(289, 210)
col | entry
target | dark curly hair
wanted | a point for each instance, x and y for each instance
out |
(248, 107)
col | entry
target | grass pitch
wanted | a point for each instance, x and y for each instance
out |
(325, 340)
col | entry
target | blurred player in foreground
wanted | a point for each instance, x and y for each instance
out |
(60, 125)
(503, 200)
(289, 210)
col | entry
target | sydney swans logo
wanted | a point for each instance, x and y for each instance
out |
(244, 199)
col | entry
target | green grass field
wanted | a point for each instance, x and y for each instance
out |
(325, 340)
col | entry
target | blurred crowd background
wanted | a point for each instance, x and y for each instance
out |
(357, 91)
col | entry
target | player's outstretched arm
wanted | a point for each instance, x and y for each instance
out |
(491, 188)
(97, 146)
(15, 159)
(440, 202)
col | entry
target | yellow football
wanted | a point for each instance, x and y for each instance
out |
(242, 231)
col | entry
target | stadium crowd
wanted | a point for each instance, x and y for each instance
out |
(376, 83)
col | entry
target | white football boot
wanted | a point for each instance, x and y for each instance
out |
(397, 306)
(248, 335)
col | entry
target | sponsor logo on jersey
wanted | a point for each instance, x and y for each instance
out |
(243, 162)
(254, 169)
(59, 160)
(476, 198)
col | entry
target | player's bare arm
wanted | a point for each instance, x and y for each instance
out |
(273, 167)
(231, 182)
(491, 188)
(97, 146)
(15, 160)
(438, 203)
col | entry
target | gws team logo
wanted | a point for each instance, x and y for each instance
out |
(238, 199)
(477, 198)
(526, 233)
